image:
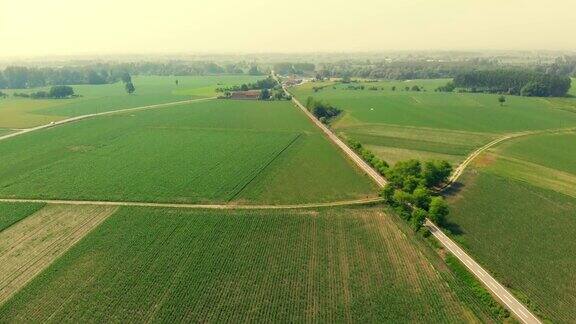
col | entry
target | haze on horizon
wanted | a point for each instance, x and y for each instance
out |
(66, 27)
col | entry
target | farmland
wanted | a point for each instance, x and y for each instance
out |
(401, 124)
(31, 245)
(215, 151)
(13, 213)
(516, 214)
(25, 113)
(156, 265)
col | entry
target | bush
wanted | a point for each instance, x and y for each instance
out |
(417, 219)
(59, 92)
(438, 210)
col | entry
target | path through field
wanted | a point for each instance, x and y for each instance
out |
(191, 206)
(78, 118)
(31, 245)
(462, 166)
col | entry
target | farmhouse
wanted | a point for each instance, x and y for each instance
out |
(246, 95)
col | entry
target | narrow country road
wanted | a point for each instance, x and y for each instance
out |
(82, 117)
(192, 206)
(492, 284)
(516, 307)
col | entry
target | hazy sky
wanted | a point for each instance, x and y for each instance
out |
(69, 27)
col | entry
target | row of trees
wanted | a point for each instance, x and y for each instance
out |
(321, 110)
(514, 82)
(21, 77)
(55, 92)
(401, 70)
(268, 83)
(410, 186)
(18, 77)
(287, 68)
(378, 164)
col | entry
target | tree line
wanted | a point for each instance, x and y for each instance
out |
(411, 186)
(22, 77)
(513, 81)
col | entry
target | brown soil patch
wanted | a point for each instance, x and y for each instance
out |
(484, 160)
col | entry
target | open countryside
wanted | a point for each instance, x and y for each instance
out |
(287, 162)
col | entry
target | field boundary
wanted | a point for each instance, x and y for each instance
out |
(364, 201)
(82, 117)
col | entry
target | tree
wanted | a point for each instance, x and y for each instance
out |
(501, 100)
(129, 86)
(436, 172)
(415, 88)
(421, 198)
(393, 88)
(417, 219)
(3, 95)
(438, 210)
(265, 94)
(126, 78)
(59, 92)
(176, 82)
(244, 87)
(388, 193)
(254, 70)
(402, 198)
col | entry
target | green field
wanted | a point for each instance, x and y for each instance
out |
(516, 214)
(401, 124)
(13, 213)
(24, 113)
(206, 152)
(4, 131)
(327, 265)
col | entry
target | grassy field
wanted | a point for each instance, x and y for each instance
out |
(13, 213)
(327, 265)
(401, 124)
(24, 113)
(215, 151)
(516, 212)
(31, 245)
(557, 151)
(521, 233)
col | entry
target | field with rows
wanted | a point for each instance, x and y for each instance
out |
(328, 265)
(32, 244)
(25, 113)
(402, 124)
(11, 213)
(214, 151)
(515, 213)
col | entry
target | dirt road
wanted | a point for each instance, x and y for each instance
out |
(78, 118)
(191, 206)
(462, 166)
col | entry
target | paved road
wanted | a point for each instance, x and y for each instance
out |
(78, 118)
(494, 286)
(192, 206)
